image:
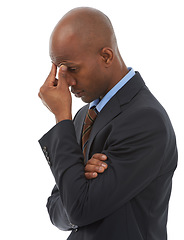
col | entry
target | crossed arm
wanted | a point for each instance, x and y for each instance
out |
(56, 210)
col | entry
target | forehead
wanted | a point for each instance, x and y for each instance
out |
(64, 51)
(71, 52)
(65, 59)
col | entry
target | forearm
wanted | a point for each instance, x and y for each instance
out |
(66, 157)
(57, 212)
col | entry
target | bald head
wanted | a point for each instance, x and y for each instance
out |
(84, 41)
(89, 28)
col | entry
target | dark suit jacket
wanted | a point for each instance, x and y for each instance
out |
(129, 201)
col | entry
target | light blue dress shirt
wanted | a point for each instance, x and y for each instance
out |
(100, 104)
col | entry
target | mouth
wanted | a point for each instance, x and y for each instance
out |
(78, 93)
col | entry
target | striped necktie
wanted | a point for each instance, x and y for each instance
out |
(88, 122)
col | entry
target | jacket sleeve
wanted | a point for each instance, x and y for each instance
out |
(136, 151)
(57, 212)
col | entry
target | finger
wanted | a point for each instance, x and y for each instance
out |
(52, 75)
(62, 76)
(62, 71)
(94, 161)
(90, 175)
(100, 156)
(94, 168)
(53, 71)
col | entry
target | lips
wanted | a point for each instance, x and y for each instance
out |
(78, 93)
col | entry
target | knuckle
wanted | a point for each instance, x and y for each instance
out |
(87, 168)
(99, 163)
(42, 89)
(87, 175)
(95, 155)
(89, 161)
(98, 169)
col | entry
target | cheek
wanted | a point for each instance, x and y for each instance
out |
(96, 88)
(91, 79)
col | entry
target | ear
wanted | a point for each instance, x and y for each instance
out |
(107, 56)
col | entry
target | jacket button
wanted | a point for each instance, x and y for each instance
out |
(76, 230)
(44, 149)
(47, 156)
(48, 160)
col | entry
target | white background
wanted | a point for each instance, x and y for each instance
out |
(150, 36)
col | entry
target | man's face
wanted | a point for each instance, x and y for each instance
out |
(86, 72)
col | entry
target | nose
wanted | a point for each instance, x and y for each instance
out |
(70, 80)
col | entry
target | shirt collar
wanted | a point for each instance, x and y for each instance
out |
(100, 104)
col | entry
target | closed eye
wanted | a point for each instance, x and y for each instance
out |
(72, 69)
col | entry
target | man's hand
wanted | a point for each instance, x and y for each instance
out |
(55, 94)
(95, 165)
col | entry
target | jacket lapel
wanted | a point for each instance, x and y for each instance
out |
(110, 111)
(114, 107)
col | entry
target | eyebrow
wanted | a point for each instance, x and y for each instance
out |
(66, 64)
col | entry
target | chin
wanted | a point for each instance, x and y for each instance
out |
(87, 99)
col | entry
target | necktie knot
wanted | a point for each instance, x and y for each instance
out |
(90, 117)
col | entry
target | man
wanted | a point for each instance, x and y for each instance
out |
(116, 183)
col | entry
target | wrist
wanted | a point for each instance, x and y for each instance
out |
(62, 117)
